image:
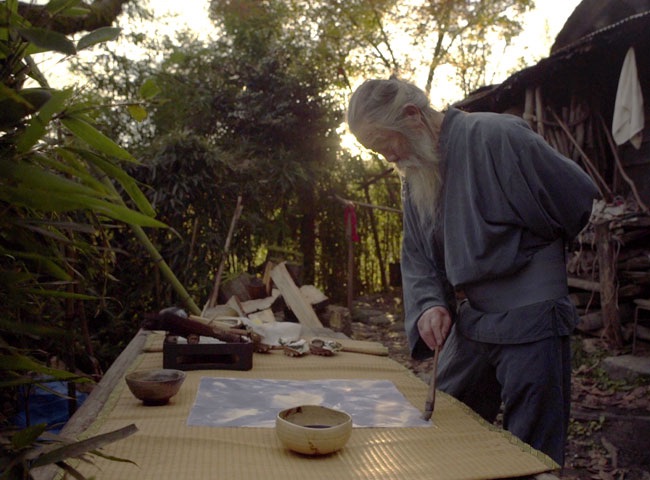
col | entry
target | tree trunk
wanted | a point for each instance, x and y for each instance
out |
(375, 236)
(607, 278)
(308, 234)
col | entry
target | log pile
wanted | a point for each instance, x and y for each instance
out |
(278, 296)
(610, 268)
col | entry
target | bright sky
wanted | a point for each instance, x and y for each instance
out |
(541, 27)
(549, 14)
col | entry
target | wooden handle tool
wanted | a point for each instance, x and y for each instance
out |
(431, 395)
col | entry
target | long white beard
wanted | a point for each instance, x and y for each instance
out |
(422, 173)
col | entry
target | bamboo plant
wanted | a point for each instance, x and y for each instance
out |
(62, 183)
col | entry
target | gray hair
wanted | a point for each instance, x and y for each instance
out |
(380, 103)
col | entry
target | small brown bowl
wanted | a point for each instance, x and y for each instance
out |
(313, 429)
(155, 387)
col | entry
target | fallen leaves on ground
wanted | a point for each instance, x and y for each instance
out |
(599, 446)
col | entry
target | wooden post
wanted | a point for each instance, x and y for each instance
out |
(349, 235)
(350, 272)
(375, 236)
(212, 300)
(291, 294)
(529, 107)
(608, 285)
(539, 109)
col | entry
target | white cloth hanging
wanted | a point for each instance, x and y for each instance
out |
(628, 119)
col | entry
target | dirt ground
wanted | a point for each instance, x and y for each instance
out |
(609, 435)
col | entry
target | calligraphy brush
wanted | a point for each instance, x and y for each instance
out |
(431, 395)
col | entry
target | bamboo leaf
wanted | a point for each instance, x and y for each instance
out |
(62, 202)
(29, 328)
(33, 224)
(93, 137)
(27, 436)
(100, 35)
(6, 92)
(43, 200)
(15, 107)
(149, 89)
(48, 39)
(12, 5)
(124, 214)
(137, 112)
(77, 11)
(128, 183)
(36, 128)
(22, 363)
(17, 382)
(59, 293)
(31, 177)
(112, 458)
(73, 156)
(71, 170)
(58, 6)
(79, 448)
(29, 380)
(47, 264)
(70, 470)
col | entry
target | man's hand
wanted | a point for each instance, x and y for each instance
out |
(434, 325)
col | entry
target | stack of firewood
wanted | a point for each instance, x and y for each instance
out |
(278, 296)
(626, 233)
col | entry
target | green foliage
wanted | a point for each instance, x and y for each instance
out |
(257, 113)
(254, 122)
(459, 34)
(59, 212)
(253, 113)
(33, 447)
(585, 429)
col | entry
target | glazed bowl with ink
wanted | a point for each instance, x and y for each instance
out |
(313, 429)
(155, 387)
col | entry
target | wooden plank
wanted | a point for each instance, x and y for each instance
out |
(263, 316)
(357, 346)
(607, 277)
(250, 306)
(584, 284)
(219, 311)
(592, 321)
(234, 303)
(291, 294)
(312, 294)
(338, 319)
(266, 278)
(92, 406)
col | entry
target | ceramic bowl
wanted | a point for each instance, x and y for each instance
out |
(155, 387)
(313, 429)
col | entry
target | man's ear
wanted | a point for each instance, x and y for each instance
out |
(412, 114)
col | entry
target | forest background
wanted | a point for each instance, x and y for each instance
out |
(118, 188)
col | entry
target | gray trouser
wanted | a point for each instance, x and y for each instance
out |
(532, 380)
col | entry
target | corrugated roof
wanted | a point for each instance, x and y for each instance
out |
(600, 52)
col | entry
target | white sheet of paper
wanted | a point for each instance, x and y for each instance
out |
(237, 402)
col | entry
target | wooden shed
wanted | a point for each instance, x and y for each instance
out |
(587, 99)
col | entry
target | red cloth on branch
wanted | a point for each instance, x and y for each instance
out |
(351, 223)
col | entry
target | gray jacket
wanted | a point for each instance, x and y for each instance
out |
(506, 197)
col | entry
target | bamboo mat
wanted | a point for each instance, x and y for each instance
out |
(459, 445)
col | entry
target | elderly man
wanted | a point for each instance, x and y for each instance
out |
(488, 207)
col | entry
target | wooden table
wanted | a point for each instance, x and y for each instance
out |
(458, 445)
